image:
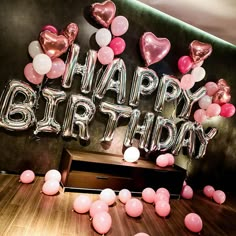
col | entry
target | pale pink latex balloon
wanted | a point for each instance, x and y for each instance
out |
(184, 183)
(53, 175)
(82, 204)
(51, 187)
(162, 208)
(42, 63)
(119, 25)
(31, 75)
(208, 191)
(124, 195)
(219, 196)
(161, 197)
(105, 55)
(187, 192)
(205, 102)
(198, 74)
(164, 191)
(27, 177)
(162, 160)
(141, 234)
(103, 37)
(148, 195)
(134, 207)
(34, 48)
(193, 222)
(57, 70)
(211, 88)
(118, 45)
(200, 116)
(102, 222)
(187, 82)
(227, 110)
(214, 109)
(171, 159)
(98, 206)
(108, 195)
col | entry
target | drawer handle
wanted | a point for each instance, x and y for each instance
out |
(101, 177)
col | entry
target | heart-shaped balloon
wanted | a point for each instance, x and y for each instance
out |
(222, 85)
(70, 32)
(200, 51)
(223, 94)
(153, 49)
(53, 45)
(104, 12)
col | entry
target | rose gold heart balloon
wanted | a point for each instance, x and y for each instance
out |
(222, 85)
(104, 12)
(70, 32)
(221, 97)
(200, 51)
(53, 45)
(153, 49)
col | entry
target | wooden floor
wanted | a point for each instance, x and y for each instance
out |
(26, 211)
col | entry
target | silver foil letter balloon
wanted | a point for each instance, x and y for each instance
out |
(17, 113)
(79, 112)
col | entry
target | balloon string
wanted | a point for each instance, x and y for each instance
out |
(98, 75)
(40, 88)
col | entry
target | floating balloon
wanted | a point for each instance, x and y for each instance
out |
(227, 110)
(50, 28)
(118, 45)
(98, 206)
(198, 74)
(27, 177)
(193, 222)
(103, 37)
(153, 49)
(223, 93)
(82, 204)
(51, 187)
(105, 55)
(187, 82)
(205, 102)
(124, 195)
(200, 116)
(134, 207)
(208, 191)
(42, 64)
(108, 195)
(70, 32)
(211, 88)
(219, 196)
(187, 192)
(31, 75)
(57, 69)
(53, 175)
(148, 195)
(185, 64)
(104, 13)
(213, 110)
(34, 48)
(162, 208)
(119, 25)
(102, 222)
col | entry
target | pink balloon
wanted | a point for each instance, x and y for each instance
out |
(219, 196)
(184, 183)
(31, 75)
(124, 195)
(82, 204)
(187, 192)
(171, 159)
(161, 197)
(148, 195)
(187, 82)
(214, 109)
(185, 64)
(162, 208)
(198, 74)
(27, 177)
(211, 88)
(141, 234)
(193, 222)
(119, 25)
(53, 175)
(102, 222)
(50, 28)
(162, 160)
(51, 187)
(134, 207)
(57, 70)
(205, 102)
(105, 55)
(108, 195)
(227, 110)
(208, 191)
(164, 191)
(118, 45)
(200, 116)
(198, 64)
(98, 206)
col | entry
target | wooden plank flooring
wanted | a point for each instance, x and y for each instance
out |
(24, 211)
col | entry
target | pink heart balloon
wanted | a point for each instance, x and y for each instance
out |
(70, 32)
(104, 13)
(53, 45)
(153, 49)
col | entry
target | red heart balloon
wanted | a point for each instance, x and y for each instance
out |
(200, 51)
(153, 49)
(104, 12)
(53, 45)
(70, 32)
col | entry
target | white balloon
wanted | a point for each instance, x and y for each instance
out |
(103, 37)
(205, 102)
(131, 154)
(42, 63)
(198, 73)
(34, 48)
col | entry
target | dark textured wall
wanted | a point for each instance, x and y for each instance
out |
(20, 23)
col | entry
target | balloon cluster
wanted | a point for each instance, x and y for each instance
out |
(164, 160)
(218, 196)
(110, 42)
(46, 52)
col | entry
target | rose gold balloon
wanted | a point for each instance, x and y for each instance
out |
(221, 97)
(200, 51)
(153, 49)
(53, 45)
(104, 12)
(70, 32)
(222, 84)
